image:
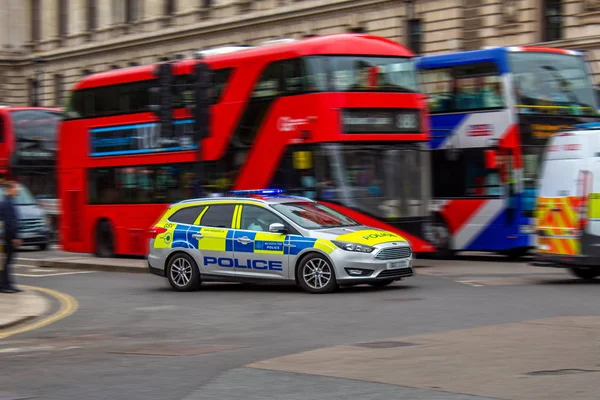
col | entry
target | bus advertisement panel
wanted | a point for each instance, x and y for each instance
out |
(337, 118)
(492, 112)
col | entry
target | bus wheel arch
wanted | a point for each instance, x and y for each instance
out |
(104, 238)
(443, 238)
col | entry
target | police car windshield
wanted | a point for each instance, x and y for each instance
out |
(313, 215)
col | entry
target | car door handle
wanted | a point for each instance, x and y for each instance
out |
(245, 240)
(197, 236)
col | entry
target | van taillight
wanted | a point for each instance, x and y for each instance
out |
(156, 230)
(585, 188)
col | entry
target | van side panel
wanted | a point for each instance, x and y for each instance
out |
(559, 201)
(590, 242)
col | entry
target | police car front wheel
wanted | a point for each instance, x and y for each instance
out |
(316, 274)
(183, 273)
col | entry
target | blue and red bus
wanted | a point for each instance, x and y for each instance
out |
(492, 112)
(337, 118)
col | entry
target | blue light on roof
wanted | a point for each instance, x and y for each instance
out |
(589, 125)
(266, 192)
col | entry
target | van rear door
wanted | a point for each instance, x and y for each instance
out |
(564, 180)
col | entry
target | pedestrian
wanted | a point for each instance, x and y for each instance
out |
(8, 216)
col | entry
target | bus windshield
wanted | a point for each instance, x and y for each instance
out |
(389, 181)
(552, 83)
(36, 125)
(361, 73)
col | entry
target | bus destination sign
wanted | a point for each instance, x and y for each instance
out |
(382, 120)
(141, 139)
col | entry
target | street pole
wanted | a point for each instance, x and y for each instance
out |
(201, 112)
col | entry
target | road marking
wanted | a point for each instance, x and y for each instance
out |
(35, 272)
(470, 283)
(34, 268)
(68, 306)
(56, 274)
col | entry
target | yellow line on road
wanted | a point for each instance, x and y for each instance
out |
(68, 305)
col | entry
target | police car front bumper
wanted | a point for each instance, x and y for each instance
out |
(358, 268)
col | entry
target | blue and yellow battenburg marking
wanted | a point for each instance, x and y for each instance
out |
(240, 241)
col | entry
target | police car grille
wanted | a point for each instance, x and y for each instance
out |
(31, 224)
(393, 253)
(395, 273)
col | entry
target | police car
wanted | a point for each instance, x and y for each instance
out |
(266, 236)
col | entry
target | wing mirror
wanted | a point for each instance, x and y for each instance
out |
(277, 228)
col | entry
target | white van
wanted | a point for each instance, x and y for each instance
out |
(568, 203)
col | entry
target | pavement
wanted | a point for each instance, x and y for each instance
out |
(93, 263)
(550, 359)
(18, 308)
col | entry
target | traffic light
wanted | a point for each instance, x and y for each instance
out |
(162, 98)
(203, 88)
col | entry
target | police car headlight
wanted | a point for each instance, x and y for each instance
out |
(360, 248)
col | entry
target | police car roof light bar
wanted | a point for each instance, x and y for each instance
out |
(266, 192)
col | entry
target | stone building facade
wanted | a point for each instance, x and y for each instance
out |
(47, 45)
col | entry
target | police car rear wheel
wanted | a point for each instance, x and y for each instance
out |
(183, 273)
(316, 275)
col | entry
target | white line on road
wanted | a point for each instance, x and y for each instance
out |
(34, 268)
(57, 274)
(470, 283)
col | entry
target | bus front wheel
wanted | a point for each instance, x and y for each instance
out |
(442, 239)
(105, 246)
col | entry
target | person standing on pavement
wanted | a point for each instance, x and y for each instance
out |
(8, 215)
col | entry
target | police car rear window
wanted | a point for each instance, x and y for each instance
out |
(218, 216)
(186, 215)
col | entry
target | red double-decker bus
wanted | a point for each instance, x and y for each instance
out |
(337, 118)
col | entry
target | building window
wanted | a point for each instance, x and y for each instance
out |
(58, 89)
(35, 20)
(131, 11)
(207, 3)
(91, 15)
(63, 21)
(356, 29)
(86, 72)
(415, 35)
(170, 7)
(32, 85)
(552, 20)
(133, 64)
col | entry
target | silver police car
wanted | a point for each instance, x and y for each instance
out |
(266, 236)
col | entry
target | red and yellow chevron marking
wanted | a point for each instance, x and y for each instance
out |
(558, 219)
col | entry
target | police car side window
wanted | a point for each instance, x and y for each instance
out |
(186, 215)
(258, 219)
(218, 216)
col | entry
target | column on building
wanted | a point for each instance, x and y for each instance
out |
(77, 16)
(49, 19)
